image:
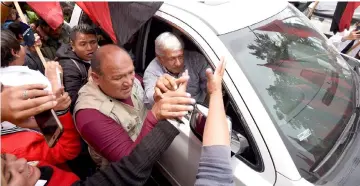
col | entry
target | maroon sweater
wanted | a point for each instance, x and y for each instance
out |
(108, 137)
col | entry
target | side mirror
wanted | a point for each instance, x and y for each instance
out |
(198, 120)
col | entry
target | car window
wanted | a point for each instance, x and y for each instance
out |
(304, 84)
(250, 155)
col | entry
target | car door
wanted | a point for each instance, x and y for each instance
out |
(180, 161)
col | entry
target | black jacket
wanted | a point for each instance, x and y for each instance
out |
(135, 169)
(75, 71)
(33, 61)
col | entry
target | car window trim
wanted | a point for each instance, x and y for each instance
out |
(259, 167)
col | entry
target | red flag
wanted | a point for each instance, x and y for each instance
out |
(342, 16)
(99, 13)
(120, 20)
(50, 12)
(297, 30)
(91, 16)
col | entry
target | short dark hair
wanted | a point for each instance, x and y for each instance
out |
(8, 43)
(16, 28)
(82, 28)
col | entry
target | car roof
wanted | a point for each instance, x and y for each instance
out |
(228, 16)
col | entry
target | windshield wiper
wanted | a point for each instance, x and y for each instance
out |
(343, 137)
(349, 130)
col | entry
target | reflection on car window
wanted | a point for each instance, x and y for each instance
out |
(305, 86)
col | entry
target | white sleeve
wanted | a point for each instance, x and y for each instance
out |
(336, 40)
(25, 77)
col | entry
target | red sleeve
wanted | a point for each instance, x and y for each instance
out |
(107, 136)
(32, 146)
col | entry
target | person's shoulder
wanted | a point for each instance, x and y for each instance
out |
(89, 117)
(193, 55)
(153, 66)
(195, 59)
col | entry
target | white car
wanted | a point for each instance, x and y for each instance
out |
(286, 90)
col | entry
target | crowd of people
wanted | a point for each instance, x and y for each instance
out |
(347, 41)
(108, 112)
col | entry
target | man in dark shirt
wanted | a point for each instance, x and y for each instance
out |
(75, 58)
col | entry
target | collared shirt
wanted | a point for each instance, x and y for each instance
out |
(196, 65)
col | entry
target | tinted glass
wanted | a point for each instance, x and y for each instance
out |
(304, 84)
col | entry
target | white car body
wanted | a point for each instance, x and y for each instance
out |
(203, 23)
(181, 159)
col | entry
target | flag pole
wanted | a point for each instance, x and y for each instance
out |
(312, 9)
(23, 19)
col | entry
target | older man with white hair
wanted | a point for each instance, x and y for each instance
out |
(172, 59)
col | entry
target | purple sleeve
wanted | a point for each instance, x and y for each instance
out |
(214, 166)
(107, 136)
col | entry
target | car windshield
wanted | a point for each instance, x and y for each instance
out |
(302, 81)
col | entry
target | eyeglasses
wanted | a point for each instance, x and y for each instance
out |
(173, 59)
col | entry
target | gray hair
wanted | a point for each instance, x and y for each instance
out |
(168, 41)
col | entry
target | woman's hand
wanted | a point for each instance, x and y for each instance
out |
(214, 81)
(354, 35)
(63, 100)
(51, 72)
(22, 102)
(38, 42)
(173, 105)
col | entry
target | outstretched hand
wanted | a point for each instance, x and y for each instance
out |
(168, 83)
(63, 100)
(21, 102)
(173, 105)
(52, 70)
(214, 80)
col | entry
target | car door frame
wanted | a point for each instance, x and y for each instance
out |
(171, 15)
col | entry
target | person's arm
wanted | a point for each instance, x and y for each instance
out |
(340, 39)
(107, 136)
(68, 146)
(136, 168)
(16, 109)
(214, 166)
(216, 124)
(32, 145)
(149, 87)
